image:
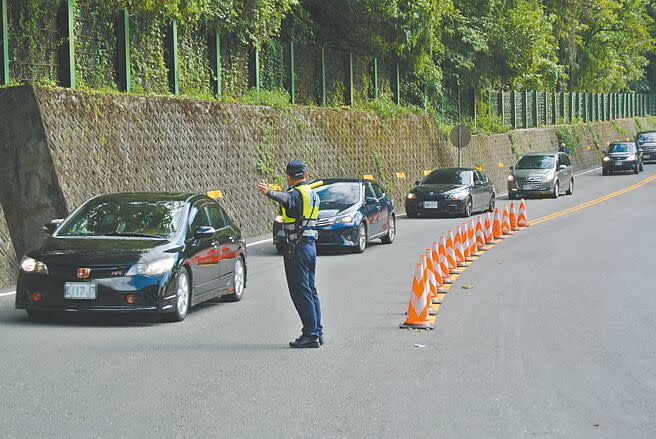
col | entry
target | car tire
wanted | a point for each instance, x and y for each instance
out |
(361, 239)
(493, 202)
(556, 190)
(570, 191)
(183, 296)
(391, 232)
(469, 204)
(238, 281)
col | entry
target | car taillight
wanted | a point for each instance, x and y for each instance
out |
(130, 298)
(36, 296)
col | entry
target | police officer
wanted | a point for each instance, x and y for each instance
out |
(300, 208)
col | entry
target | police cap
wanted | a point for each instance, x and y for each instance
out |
(296, 168)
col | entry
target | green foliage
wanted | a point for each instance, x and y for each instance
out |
(565, 135)
(386, 108)
(278, 99)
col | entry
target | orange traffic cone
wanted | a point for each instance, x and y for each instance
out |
(432, 289)
(496, 226)
(513, 218)
(444, 261)
(473, 246)
(437, 266)
(505, 225)
(434, 283)
(464, 237)
(459, 249)
(480, 235)
(418, 307)
(489, 235)
(522, 219)
(451, 254)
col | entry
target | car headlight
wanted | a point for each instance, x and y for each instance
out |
(346, 219)
(152, 268)
(459, 195)
(606, 159)
(631, 157)
(511, 178)
(30, 265)
(411, 196)
(278, 219)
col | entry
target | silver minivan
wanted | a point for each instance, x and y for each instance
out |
(541, 173)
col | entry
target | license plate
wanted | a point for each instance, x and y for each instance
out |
(430, 204)
(618, 162)
(647, 156)
(80, 290)
(527, 186)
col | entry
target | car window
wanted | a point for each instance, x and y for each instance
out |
(622, 147)
(482, 176)
(378, 191)
(339, 195)
(217, 217)
(535, 162)
(448, 176)
(368, 192)
(647, 138)
(198, 218)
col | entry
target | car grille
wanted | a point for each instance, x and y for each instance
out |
(649, 149)
(68, 272)
(323, 222)
(529, 183)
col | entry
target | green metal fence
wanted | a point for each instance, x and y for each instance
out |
(88, 43)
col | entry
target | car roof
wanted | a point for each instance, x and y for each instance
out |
(453, 169)
(631, 142)
(346, 180)
(149, 196)
(550, 154)
(646, 132)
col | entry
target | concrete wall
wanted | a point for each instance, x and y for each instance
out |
(60, 147)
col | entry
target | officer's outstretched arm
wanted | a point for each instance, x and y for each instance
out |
(283, 198)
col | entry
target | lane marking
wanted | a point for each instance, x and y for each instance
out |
(11, 293)
(594, 202)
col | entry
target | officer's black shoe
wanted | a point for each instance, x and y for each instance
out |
(321, 339)
(305, 341)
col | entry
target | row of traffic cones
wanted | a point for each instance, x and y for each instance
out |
(439, 265)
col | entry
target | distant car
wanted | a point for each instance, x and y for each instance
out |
(352, 212)
(622, 156)
(156, 253)
(646, 142)
(459, 191)
(541, 173)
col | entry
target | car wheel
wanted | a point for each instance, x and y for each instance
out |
(238, 281)
(391, 232)
(183, 297)
(361, 239)
(468, 207)
(493, 202)
(556, 190)
(570, 191)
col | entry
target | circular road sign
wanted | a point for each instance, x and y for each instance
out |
(460, 136)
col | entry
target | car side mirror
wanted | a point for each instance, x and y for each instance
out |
(50, 227)
(511, 167)
(371, 200)
(204, 232)
(417, 183)
(562, 167)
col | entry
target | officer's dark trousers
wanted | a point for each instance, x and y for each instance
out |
(300, 279)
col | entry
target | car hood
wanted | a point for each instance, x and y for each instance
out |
(103, 251)
(427, 189)
(524, 173)
(620, 154)
(329, 213)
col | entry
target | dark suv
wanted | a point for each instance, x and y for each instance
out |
(622, 156)
(646, 141)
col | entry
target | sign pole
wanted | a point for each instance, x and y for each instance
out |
(459, 146)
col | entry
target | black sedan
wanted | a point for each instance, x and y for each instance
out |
(459, 191)
(352, 212)
(646, 141)
(622, 156)
(135, 252)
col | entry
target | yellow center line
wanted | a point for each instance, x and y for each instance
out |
(595, 201)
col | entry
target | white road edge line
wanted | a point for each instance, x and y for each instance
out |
(405, 214)
(11, 293)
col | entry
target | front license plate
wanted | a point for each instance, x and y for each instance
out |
(430, 204)
(618, 162)
(80, 290)
(528, 186)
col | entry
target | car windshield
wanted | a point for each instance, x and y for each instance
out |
(621, 147)
(448, 176)
(129, 218)
(535, 162)
(647, 138)
(338, 195)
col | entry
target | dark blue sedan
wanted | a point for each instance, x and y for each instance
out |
(352, 212)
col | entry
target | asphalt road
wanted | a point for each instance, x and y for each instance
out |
(555, 339)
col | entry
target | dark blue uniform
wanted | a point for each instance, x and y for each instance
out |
(300, 268)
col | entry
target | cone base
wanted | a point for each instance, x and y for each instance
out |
(461, 264)
(447, 281)
(436, 302)
(426, 326)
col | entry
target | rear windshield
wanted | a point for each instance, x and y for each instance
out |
(647, 138)
(535, 162)
(622, 147)
(449, 176)
(130, 218)
(338, 195)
